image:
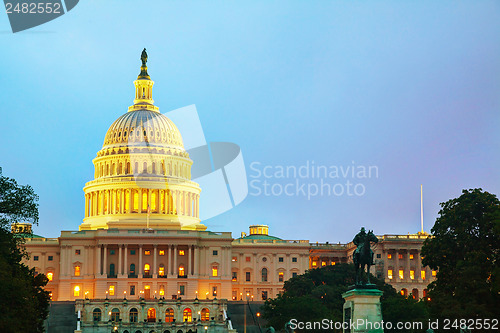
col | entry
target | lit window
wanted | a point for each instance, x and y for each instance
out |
(169, 315)
(162, 291)
(50, 295)
(147, 252)
(151, 315)
(50, 275)
(323, 263)
(77, 270)
(389, 256)
(77, 252)
(76, 291)
(205, 315)
(161, 252)
(294, 259)
(247, 259)
(412, 274)
(111, 290)
(400, 256)
(333, 263)
(161, 271)
(280, 276)
(187, 315)
(235, 276)
(214, 291)
(234, 259)
(146, 269)
(411, 256)
(401, 274)
(434, 273)
(214, 271)
(422, 274)
(181, 270)
(181, 252)
(314, 264)
(389, 274)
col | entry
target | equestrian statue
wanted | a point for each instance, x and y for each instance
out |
(363, 255)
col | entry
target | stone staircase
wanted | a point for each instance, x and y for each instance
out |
(236, 311)
(62, 318)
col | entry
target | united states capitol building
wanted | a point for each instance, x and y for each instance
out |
(142, 261)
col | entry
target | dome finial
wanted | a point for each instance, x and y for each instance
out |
(144, 68)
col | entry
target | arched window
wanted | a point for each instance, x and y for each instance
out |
(112, 269)
(161, 270)
(151, 315)
(147, 269)
(169, 315)
(205, 315)
(97, 314)
(133, 315)
(414, 293)
(144, 167)
(136, 201)
(115, 315)
(50, 276)
(404, 292)
(264, 274)
(181, 270)
(187, 315)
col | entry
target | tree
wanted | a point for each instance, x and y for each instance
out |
(317, 295)
(23, 302)
(465, 250)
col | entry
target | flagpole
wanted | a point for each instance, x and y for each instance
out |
(421, 210)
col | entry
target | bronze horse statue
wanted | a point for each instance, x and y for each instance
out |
(363, 255)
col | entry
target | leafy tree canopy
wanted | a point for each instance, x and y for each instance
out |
(317, 295)
(465, 251)
(23, 302)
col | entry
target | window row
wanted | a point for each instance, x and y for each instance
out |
(263, 259)
(104, 169)
(401, 274)
(133, 315)
(263, 276)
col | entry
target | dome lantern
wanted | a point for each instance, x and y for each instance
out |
(143, 88)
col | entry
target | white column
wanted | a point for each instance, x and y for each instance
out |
(396, 269)
(140, 262)
(119, 261)
(155, 269)
(196, 260)
(176, 271)
(418, 269)
(105, 265)
(99, 271)
(169, 260)
(125, 268)
(189, 261)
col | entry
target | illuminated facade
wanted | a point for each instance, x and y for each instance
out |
(142, 238)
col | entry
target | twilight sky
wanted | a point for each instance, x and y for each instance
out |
(410, 88)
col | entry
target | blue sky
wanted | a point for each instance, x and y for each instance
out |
(411, 87)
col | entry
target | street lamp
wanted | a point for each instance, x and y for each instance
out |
(124, 294)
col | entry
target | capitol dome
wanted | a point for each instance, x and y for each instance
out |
(142, 174)
(135, 128)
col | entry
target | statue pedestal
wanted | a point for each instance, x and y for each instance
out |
(362, 310)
